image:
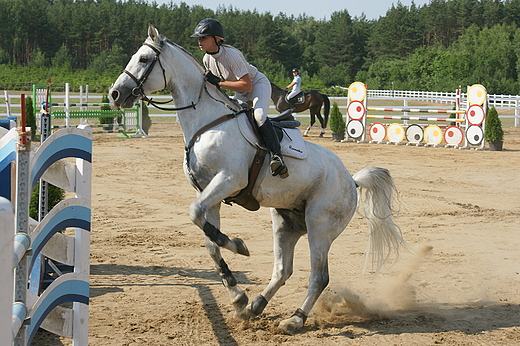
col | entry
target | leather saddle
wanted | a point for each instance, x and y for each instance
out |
(298, 99)
(245, 197)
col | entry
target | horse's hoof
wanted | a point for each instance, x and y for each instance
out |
(240, 302)
(321, 135)
(291, 325)
(241, 246)
(244, 314)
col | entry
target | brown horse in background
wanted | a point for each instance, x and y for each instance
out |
(312, 100)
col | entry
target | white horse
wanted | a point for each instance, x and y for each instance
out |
(318, 198)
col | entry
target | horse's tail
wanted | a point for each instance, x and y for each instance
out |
(326, 109)
(376, 189)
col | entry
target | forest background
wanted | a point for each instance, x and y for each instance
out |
(434, 47)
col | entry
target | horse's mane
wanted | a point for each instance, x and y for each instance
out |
(181, 48)
(165, 39)
(276, 86)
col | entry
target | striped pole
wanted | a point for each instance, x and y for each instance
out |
(23, 190)
(397, 117)
(7, 103)
(19, 313)
(67, 104)
(420, 110)
(21, 245)
(6, 262)
(80, 104)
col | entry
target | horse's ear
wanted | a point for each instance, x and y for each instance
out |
(153, 33)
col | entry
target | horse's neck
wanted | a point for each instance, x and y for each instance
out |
(205, 111)
(279, 98)
(278, 93)
(210, 105)
(187, 86)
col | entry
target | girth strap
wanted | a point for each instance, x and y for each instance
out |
(245, 197)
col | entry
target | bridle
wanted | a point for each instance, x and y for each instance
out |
(138, 90)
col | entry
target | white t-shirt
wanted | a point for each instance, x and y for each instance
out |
(229, 64)
(298, 80)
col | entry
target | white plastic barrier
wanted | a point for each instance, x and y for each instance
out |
(31, 307)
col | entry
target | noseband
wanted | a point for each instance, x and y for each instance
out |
(138, 90)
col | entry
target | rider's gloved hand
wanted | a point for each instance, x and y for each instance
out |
(210, 77)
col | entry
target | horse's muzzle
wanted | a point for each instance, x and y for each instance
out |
(119, 100)
(114, 95)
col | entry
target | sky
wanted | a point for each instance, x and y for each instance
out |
(319, 9)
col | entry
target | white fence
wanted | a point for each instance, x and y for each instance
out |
(500, 102)
(426, 96)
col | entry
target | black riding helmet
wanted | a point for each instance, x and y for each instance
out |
(208, 27)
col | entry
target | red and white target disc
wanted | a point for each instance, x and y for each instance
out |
(453, 135)
(355, 129)
(433, 134)
(356, 110)
(377, 132)
(395, 133)
(475, 115)
(475, 135)
(414, 134)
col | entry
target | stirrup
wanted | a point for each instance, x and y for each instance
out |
(278, 167)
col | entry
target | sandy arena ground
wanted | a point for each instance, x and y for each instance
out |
(153, 282)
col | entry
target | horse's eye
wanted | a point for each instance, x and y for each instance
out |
(143, 59)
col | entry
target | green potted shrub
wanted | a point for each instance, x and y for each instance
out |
(337, 123)
(55, 195)
(147, 121)
(493, 132)
(107, 121)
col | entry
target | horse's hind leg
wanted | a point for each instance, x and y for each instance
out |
(318, 281)
(323, 226)
(322, 122)
(288, 227)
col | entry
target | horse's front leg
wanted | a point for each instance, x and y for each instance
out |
(217, 190)
(311, 123)
(238, 296)
(306, 133)
(211, 216)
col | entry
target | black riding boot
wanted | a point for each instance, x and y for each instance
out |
(270, 139)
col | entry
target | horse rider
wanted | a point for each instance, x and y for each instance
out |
(226, 67)
(295, 85)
